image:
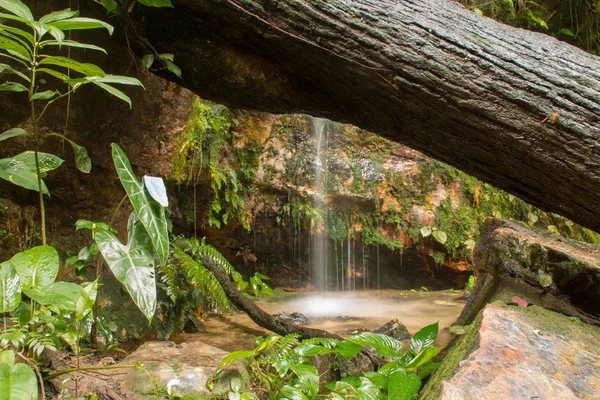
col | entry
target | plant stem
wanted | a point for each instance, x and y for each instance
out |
(36, 139)
(69, 370)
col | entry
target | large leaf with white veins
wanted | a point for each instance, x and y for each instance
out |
(147, 209)
(132, 264)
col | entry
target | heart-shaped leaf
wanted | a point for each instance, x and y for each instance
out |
(17, 382)
(63, 295)
(36, 267)
(132, 264)
(10, 288)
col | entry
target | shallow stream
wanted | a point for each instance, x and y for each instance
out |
(340, 313)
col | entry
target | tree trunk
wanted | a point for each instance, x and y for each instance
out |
(515, 108)
(260, 316)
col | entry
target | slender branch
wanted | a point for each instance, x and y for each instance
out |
(52, 101)
(37, 372)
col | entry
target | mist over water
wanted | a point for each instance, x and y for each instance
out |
(342, 313)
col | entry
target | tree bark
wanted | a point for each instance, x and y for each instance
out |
(258, 315)
(515, 108)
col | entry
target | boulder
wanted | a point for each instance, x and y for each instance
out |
(395, 329)
(525, 353)
(295, 318)
(182, 369)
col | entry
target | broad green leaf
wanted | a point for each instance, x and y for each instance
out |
(82, 160)
(114, 91)
(425, 231)
(56, 33)
(8, 68)
(147, 62)
(85, 303)
(311, 350)
(48, 162)
(308, 378)
(83, 68)
(156, 3)
(109, 5)
(56, 74)
(58, 16)
(21, 170)
(402, 386)
(235, 356)
(17, 32)
(424, 338)
(46, 95)
(87, 224)
(10, 288)
(17, 382)
(347, 349)
(385, 345)
(14, 47)
(82, 23)
(72, 43)
(63, 295)
(169, 65)
(423, 357)
(427, 368)
(148, 210)
(17, 8)
(12, 87)
(440, 236)
(13, 133)
(378, 379)
(133, 264)
(36, 267)
(120, 79)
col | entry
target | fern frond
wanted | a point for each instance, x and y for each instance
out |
(326, 342)
(204, 280)
(285, 346)
(168, 276)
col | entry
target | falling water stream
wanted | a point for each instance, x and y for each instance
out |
(320, 247)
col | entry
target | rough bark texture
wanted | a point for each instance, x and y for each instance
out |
(427, 73)
(258, 315)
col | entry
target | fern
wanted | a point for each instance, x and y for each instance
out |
(168, 276)
(203, 279)
(283, 348)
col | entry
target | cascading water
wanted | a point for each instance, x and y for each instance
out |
(320, 248)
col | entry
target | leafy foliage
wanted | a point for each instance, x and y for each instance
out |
(281, 366)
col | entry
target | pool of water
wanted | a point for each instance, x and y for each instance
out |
(341, 313)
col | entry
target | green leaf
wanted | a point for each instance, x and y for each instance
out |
(83, 68)
(110, 5)
(385, 346)
(440, 236)
(58, 16)
(17, 382)
(402, 386)
(148, 210)
(427, 368)
(21, 170)
(15, 48)
(114, 91)
(147, 62)
(56, 74)
(347, 349)
(423, 357)
(424, 338)
(230, 358)
(56, 33)
(308, 378)
(425, 231)
(156, 3)
(10, 288)
(8, 68)
(133, 264)
(36, 267)
(120, 79)
(82, 159)
(169, 65)
(71, 43)
(17, 8)
(567, 32)
(87, 224)
(156, 188)
(82, 23)
(86, 301)
(46, 95)
(14, 132)
(16, 31)
(63, 295)
(12, 87)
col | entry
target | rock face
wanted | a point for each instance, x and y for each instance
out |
(529, 354)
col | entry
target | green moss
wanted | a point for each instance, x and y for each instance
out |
(457, 350)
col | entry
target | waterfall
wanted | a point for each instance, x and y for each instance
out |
(320, 248)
